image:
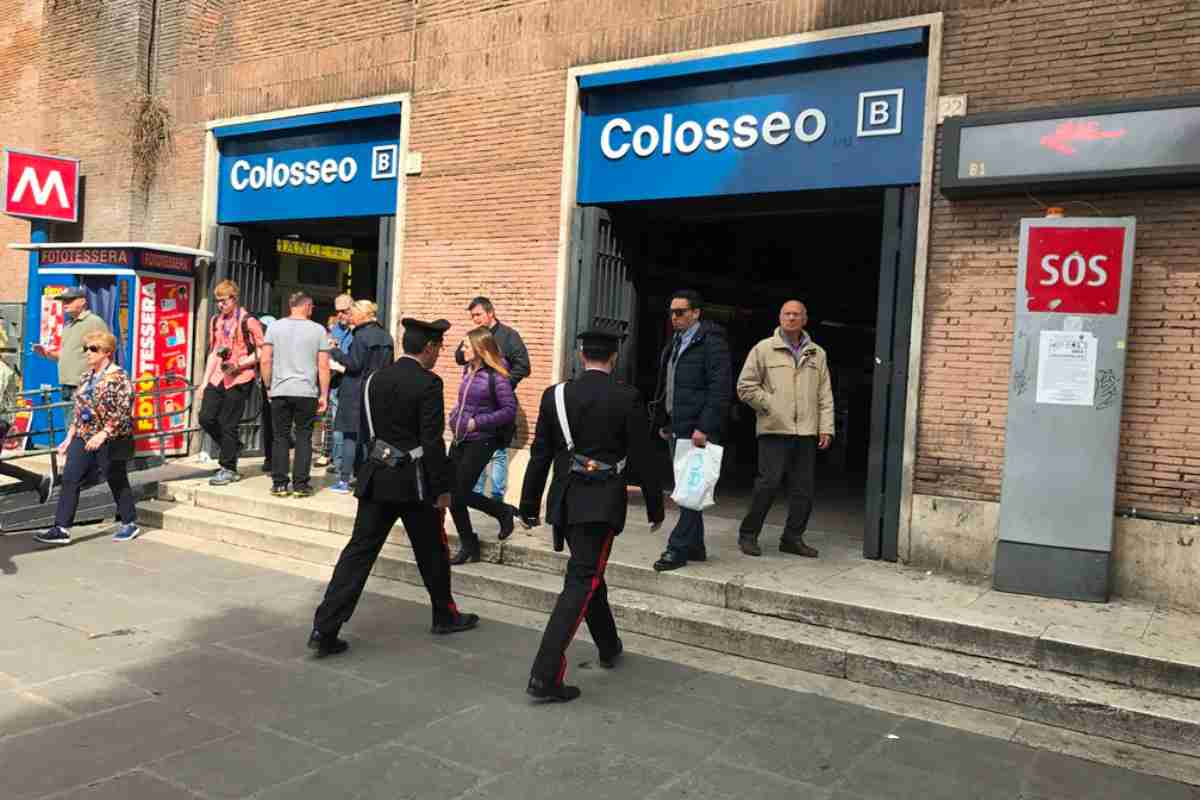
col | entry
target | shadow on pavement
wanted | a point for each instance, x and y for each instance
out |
(146, 671)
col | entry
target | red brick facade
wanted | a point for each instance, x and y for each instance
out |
(488, 90)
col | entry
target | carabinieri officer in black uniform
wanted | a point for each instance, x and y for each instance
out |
(606, 441)
(407, 477)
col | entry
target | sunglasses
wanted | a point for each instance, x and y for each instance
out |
(679, 312)
(93, 348)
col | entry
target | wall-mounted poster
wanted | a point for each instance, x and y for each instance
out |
(50, 335)
(162, 351)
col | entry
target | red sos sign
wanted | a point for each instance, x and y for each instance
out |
(1074, 270)
(41, 187)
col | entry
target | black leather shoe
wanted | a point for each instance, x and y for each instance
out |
(797, 547)
(668, 561)
(464, 555)
(698, 553)
(551, 694)
(609, 661)
(464, 623)
(507, 522)
(327, 644)
(749, 546)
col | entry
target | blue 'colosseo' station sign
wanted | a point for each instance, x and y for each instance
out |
(326, 165)
(778, 130)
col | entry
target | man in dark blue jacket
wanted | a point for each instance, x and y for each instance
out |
(695, 385)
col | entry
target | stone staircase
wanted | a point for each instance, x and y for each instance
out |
(1123, 672)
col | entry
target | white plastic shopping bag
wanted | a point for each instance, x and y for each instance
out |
(696, 472)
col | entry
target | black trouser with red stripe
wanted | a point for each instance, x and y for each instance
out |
(584, 596)
(426, 529)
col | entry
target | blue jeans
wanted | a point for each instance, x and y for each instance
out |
(498, 467)
(351, 457)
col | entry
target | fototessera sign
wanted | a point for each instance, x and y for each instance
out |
(811, 126)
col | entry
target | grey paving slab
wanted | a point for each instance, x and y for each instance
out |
(496, 736)
(1057, 777)
(238, 690)
(581, 772)
(726, 782)
(242, 764)
(89, 692)
(815, 748)
(387, 713)
(923, 761)
(72, 754)
(130, 786)
(385, 773)
(20, 712)
(57, 651)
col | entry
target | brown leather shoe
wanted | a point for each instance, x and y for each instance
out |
(797, 547)
(749, 546)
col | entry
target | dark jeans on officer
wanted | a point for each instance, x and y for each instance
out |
(286, 412)
(86, 466)
(584, 596)
(790, 459)
(425, 526)
(221, 413)
(469, 460)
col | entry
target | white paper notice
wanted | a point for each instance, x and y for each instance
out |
(1067, 368)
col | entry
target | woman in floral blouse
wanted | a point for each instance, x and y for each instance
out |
(100, 438)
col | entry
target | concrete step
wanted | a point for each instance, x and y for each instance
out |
(1088, 706)
(1071, 650)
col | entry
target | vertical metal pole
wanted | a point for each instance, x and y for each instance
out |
(881, 380)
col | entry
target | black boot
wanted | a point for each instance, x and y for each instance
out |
(467, 551)
(749, 545)
(327, 644)
(464, 622)
(508, 519)
(560, 693)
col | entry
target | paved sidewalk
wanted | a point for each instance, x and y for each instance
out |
(788, 586)
(145, 671)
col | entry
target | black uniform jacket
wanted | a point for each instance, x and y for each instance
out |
(608, 423)
(409, 411)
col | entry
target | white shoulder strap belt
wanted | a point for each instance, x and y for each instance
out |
(416, 452)
(560, 405)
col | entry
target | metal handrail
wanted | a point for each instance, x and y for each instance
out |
(184, 387)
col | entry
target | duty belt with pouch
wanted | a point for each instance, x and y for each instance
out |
(582, 466)
(389, 455)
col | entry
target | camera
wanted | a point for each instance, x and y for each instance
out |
(224, 353)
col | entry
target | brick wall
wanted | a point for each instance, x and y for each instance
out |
(488, 81)
(1028, 55)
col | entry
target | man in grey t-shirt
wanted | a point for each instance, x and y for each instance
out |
(294, 360)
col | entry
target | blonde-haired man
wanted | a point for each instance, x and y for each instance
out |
(234, 338)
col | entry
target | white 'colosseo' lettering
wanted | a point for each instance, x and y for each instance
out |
(273, 175)
(619, 136)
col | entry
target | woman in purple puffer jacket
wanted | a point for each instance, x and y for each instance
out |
(485, 405)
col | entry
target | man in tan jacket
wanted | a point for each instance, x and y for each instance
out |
(786, 382)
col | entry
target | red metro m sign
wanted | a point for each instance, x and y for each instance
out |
(41, 187)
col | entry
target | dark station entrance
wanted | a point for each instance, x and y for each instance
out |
(847, 254)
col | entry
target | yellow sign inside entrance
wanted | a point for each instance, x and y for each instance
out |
(295, 247)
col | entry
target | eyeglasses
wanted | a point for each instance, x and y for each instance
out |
(679, 312)
(93, 348)
(223, 299)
